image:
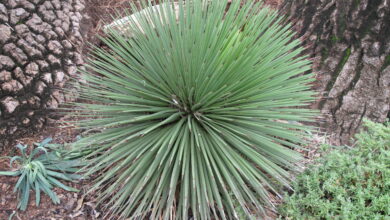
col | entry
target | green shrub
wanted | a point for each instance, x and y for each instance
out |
(41, 171)
(193, 112)
(349, 183)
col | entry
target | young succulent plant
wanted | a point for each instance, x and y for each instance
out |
(41, 170)
(192, 108)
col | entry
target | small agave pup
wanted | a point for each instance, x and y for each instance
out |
(41, 171)
(191, 110)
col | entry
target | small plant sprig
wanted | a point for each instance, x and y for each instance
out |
(348, 182)
(41, 170)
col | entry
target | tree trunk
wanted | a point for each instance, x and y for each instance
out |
(38, 54)
(349, 42)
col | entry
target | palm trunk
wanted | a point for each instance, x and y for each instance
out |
(38, 54)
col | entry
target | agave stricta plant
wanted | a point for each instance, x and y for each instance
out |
(192, 108)
(41, 170)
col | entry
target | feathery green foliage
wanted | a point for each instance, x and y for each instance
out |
(193, 111)
(349, 183)
(40, 172)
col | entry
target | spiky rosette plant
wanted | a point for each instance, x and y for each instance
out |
(42, 172)
(193, 110)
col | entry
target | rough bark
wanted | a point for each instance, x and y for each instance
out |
(349, 42)
(39, 40)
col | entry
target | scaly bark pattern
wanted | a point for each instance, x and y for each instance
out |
(349, 42)
(39, 41)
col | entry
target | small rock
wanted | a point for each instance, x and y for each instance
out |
(13, 3)
(65, 26)
(67, 44)
(56, 4)
(48, 5)
(30, 113)
(49, 34)
(60, 15)
(59, 31)
(49, 16)
(54, 61)
(3, 9)
(39, 123)
(76, 25)
(73, 17)
(58, 77)
(66, 10)
(3, 13)
(58, 95)
(21, 29)
(374, 49)
(11, 131)
(16, 53)
(33, 101)
(57, 23)
(32, 69)
(35, 23)
(71, 70)
(46, 77)
(5, 33)
(79, 16)
(27, 5)
(5, 76)
(19, 74)
(43, 65)
(6, 62)
(52, 103)
(69, 205)
(17, 15)
(39, 87)
(31, 51)
(68, 62)
(9, 104)
(26, 121)
(371, 60)
(79, 7)
(78, 59)
(55, 47)
(31, 39)
(12, 86)
(3, 18)
(40, 39)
